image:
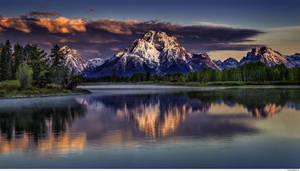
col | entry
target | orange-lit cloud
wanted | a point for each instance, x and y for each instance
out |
(13, 23)
(44, 13)
(63, 40)
(115, 26)
(106, 35)
(92, 51)
(62, 24)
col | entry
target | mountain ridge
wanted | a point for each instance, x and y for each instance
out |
(154, 53)
(157, 53)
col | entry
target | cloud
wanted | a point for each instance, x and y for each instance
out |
(287, 28)
(62, 25)
(206, 23)
(13, 23)
(114, 26)
(92, 51)
(106, 35)
(44, 14)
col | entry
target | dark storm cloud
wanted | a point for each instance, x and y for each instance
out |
(104, 37)
(44, 14)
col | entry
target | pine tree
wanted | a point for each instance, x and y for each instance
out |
(39, 65)
(5, 61)
(57, 58)
(18, 57)
(59, 72)
(24, 75)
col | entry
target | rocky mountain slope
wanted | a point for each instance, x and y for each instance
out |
(94, 63)
(228, 63)
(78, 63)
(74, 60)
(154, 53)
(266, 56)
(158, 53)
(294, 59)
(200, 61)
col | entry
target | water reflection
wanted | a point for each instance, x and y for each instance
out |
(40, 124)
(153, 115)
(69, 124)
(63, 143)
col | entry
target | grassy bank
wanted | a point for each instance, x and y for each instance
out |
(230, 83)
(216, 83)
(11, 89)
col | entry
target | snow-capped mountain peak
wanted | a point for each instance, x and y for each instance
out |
(200, 61)
(267, 56)
(230, 63)
(144, 49)
(155, 53)
(294, 59)
(74, 60)
(158, 53)
(95, 62)
(167, 45)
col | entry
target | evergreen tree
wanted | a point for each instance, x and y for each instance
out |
(59, 72)
(24, 76)
(57, 58)
(5, 61)
(39, 65)
(18, 57)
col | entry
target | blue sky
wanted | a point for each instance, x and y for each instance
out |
(258, 14)
(275, 17)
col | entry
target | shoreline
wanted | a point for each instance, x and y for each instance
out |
(82, 91)
(197, 84)
(78, 91)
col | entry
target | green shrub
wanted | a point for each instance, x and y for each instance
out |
(3, 92)
(52, 86)
(24, 76)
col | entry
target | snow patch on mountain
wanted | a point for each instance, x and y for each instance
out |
(294, 59)
(155, 53)
(94, 63)
(266, 56)
(227, 64)
(200, 61)
(74, 60)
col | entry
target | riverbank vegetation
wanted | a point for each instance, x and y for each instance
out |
(247, 74)
(12, 89)
(28, 71)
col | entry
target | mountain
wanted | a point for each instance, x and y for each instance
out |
(294, 59)
(154, 53)
(228, 63)
(94, 63)
(158, 53)
(218, 62)
(200, 61)
(267, 56)
(74, 60)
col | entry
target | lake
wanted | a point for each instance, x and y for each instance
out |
(147, 126)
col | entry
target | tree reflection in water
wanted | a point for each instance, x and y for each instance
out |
(70, 123)
(39, 122)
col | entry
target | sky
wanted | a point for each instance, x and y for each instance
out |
(223, 28)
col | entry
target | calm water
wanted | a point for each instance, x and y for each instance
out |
(154, 127)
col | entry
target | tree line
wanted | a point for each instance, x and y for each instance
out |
(250, 72)
(33, 68)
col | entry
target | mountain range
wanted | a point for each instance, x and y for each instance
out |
(158, 53)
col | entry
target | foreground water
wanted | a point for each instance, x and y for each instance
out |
(154, 127)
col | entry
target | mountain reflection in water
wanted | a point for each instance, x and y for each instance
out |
(67, 124)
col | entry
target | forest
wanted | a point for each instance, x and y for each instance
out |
(33, 68)
(28, 69)
(250, 72)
